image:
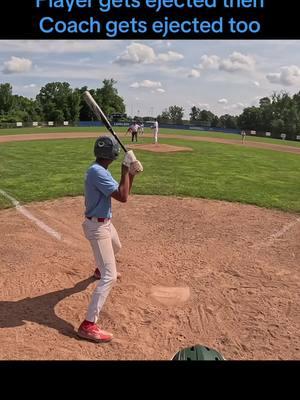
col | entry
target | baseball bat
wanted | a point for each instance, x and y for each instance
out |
(101, 116)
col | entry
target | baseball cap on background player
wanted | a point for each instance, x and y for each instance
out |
(107, 147)
(198, 353)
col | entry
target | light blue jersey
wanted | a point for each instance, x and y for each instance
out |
(99, 186)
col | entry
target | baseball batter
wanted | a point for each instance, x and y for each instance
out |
(100, 187)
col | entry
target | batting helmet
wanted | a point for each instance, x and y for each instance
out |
(197, 353)
(106, 147)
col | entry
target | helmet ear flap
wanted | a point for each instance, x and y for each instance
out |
(100, 144)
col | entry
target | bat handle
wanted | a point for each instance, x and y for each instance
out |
(118, 140)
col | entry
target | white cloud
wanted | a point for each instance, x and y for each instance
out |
(204, 106)
(237, 62)
(223, 101)
(160, 90)
(146, 84)
(31, 86)
(256, 83)
(209, 62)
(288, 76)
(138, 53)
(170, 56)
(237, 106)
(274, 77)
(194, 73)
(17, 65)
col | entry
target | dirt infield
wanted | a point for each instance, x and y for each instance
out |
(159, 148)
(81, 135)
(193, 271)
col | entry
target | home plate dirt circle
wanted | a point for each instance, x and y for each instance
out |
(159, 148)
(191, 273)
(170, 295)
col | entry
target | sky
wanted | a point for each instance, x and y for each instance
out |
(223, 76)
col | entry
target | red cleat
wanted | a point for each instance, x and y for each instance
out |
(97, 274)
(90, 331)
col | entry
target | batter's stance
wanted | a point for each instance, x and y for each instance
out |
(100, 187)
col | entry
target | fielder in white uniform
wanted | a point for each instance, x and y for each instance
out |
(100, 187)
(243, 134)
(155, 131)
(141, 129)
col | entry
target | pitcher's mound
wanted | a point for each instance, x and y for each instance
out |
(159, 148)
(170, 295)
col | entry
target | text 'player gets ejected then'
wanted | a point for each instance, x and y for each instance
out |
(156, 5)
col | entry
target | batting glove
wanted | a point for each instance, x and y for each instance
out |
(135, 168)
(129, 158)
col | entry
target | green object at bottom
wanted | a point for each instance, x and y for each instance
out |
(198, 353)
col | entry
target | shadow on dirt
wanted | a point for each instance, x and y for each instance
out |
(40, 310)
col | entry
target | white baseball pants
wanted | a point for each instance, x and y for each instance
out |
(155, 135)
(105, 243)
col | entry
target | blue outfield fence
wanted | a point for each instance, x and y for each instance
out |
(199, 128)
(168, 126)
(86, 124)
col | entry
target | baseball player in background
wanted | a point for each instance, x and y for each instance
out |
(243, 135)
(141, 129)
(133, 129)
(100, 187)
(155, 131)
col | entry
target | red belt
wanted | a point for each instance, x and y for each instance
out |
(99, 219)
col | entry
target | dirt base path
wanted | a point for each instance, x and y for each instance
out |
(80, 135)
(193, 271)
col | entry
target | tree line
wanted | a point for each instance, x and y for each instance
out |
(57, 101)
(204, 118)
(278, 114)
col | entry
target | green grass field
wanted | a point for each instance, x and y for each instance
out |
(220, 135)
(46, 130)
(41, 170)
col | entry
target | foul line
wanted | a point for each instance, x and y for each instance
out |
(28, 215)
(278, 234)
